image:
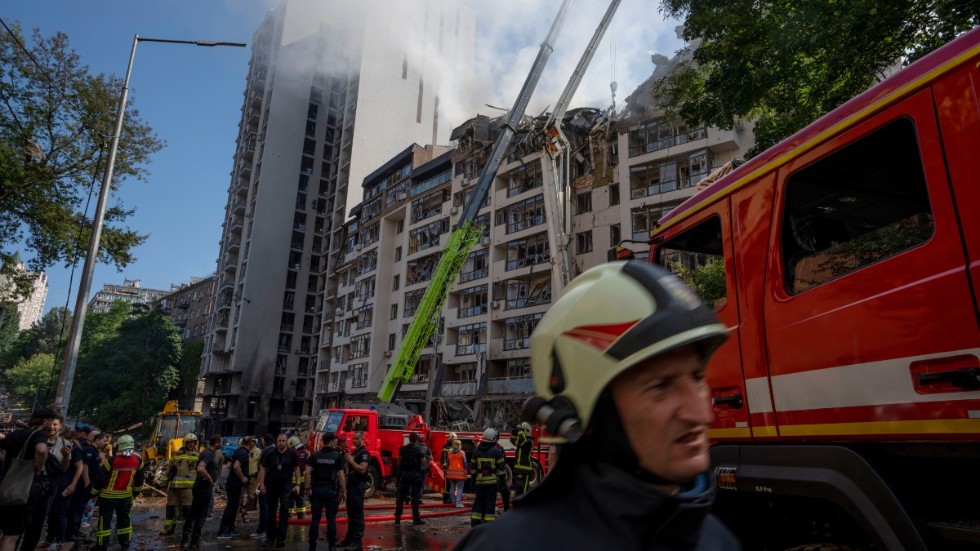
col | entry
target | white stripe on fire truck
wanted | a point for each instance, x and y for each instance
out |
(866, 384)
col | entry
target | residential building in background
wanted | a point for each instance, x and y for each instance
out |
(331, 95)
(189, 306)
(131, 290)
(31, 307)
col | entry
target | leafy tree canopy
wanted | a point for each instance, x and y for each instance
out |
(29, 375)
(787, 63)
(56, 119)
(190, 369)
(47, 337)
(9, 325)
(125, 378)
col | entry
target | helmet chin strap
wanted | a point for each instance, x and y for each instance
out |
(608, 442)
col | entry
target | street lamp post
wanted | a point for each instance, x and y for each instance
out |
(67, 376)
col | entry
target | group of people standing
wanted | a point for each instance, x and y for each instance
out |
(276, 476)
(69, 472)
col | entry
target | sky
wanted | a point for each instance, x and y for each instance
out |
(192, 97)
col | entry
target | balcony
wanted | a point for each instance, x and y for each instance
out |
(510, 385)
(458, 388)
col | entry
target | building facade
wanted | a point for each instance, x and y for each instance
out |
(330, 96)
(131, 290)
(31, 307)
(189, 306)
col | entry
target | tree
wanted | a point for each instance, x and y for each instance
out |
(125, 378)
(706, 280)
(9, 325)
(56, 119)
(47, 337)
(29, 375)
(787, 63)
(189, 368)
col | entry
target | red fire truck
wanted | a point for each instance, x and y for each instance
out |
(386, 428)
(847, 399)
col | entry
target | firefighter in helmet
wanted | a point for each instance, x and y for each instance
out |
(297, 505)
(487, 465)
(180, 483)
(121, 481)
(523, 446)
(619, 365)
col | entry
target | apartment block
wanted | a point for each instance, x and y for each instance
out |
(131, 290)
(330, 96)
(189, 306)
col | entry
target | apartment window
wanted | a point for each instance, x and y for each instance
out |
(398, 254)
(291, 279)
(365, 288)
(358, 375)
(400, 227)
(613, 194)
(367, 262)
(421, 270)
(527, 252)
(657, 134)
(395, 282)
(519, 368)
(861, 204)
(363, 317)
(360, 346)
(412, 299)
(583, 242)
(431, 182)
(523, 179)
(473, 301)
(583, 202)
(281, 364)
(370, 234)
(517, 331)
(523, 292)
(391, 340)
(471, 339)
(668, 175)
(523, 215)
(645, 218)
(427, 236)
(475, 266)
(615, 235)
(394, 311)
(429, 206)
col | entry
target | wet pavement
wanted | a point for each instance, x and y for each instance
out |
(438, 533)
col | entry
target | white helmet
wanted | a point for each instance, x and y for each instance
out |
(524, 426)
(491, 435)
(610, 318)
(451, 437)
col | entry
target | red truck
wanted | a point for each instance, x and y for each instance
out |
(847, 400)
(386, 428)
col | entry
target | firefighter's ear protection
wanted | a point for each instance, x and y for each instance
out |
(557, 415)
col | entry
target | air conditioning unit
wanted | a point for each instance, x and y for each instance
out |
(387, 353)
(485, 240)
(454, 210)
(465, 183)
(495, 304)
(359, 246)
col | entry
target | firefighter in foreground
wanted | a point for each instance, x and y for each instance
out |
(619, 365)
(524, 445)
(180, 490)
(488, 466)
(122, 480)
(444, 462)
(297, 505)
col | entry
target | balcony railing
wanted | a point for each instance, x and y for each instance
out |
(458, 388)
(510, 385)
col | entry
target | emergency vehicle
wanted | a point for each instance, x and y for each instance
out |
(386, 429)
(847, 400)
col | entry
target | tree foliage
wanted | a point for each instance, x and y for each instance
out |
(125, 378)
(56, 119)
(189, 368)
(707, 280)
(47, 337)
(29, 375)
(9, 326)
(787, 63)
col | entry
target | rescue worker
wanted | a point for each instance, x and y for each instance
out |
(327, 488)
(444, 462)
(278, 467)
(358, 464)
(206, 474)
(180, 487)
(523, 447)
(619, 365)
(122, 480)
(254, 454)
(412, 465)
(487, 465)
(235, 484)
(297, 505)
(457, 472)
(503, 483)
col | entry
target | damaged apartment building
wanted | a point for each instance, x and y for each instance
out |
(619, 174)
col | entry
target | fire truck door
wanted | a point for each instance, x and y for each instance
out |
(868, 308)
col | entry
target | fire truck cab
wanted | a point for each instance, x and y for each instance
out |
(847, 400)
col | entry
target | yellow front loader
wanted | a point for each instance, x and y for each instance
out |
(169, 428)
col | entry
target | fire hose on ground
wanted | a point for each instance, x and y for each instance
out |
(380, 518)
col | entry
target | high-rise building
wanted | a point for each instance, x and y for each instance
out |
(131, 290)
(189, 306)
(331, 95)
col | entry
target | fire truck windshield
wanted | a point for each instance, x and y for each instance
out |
(329, 421)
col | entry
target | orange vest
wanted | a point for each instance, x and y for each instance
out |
(457, 465)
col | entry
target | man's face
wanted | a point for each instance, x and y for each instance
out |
(665, 408)
(358, 440)
(281, 443)
(53, 426)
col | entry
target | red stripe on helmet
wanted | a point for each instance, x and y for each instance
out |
(600, 336)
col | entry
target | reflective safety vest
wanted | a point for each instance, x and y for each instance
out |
(489, 464)
(302, 458)
(457, 465)
(123, 476)
(183, 468)
(522, 458)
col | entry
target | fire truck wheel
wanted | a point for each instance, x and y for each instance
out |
(536, 473)
(374, 482)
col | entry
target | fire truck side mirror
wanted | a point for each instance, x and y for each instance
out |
(619, 253)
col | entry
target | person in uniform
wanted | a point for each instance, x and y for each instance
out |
(487, 465)
(523, 447)
(358, 464)
(122, 478)
(327, 488)
(411, 475)
(180, 483)
(206, 474)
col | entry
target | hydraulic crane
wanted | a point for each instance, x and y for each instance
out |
(467, 232)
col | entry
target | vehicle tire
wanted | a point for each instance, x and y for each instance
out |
(536, 475)
(375, 482)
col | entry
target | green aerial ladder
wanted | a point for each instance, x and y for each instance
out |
(467, 233)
